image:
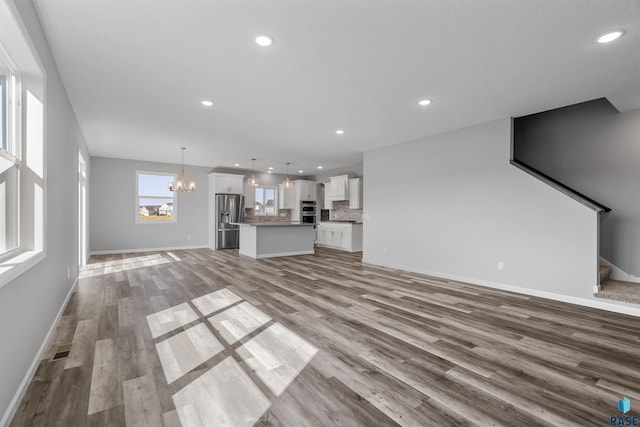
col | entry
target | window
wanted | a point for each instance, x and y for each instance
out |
(155, 203)
(265, 201)
(9, 156)
(22, 153)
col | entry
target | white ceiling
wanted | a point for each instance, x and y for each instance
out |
(136, 71)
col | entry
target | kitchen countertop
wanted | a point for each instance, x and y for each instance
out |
(341, 222)
(273, 224)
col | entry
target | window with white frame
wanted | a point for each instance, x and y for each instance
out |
(22, 149)
(9, 155)
(155, 203)
(265, 203)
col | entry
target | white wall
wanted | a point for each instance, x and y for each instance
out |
(113, 208)
(451, 205)
(593, 149)
(30, 303)
(353, 170)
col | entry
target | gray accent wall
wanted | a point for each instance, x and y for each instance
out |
(451, 205)
(596, 150)
(30, 303)
(113, 207)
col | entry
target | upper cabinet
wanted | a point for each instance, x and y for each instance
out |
(285, 197)
(305, 190)
(337, 189)
(342, 188)
(328, 204)
(355, 193)
(226, 183)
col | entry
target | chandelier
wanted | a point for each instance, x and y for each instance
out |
(181, 182)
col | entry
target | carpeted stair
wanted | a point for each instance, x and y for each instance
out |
(605, 273)
(616, 289)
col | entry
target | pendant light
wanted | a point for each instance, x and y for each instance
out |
(287, 182)
(253, 181)
(181, 183)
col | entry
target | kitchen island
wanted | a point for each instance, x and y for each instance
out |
(275, 239)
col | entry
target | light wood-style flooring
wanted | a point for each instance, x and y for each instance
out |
(211, 338)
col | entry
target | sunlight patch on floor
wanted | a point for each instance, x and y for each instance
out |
(223, 396)
(186, 350)
(215, 301)
(114, 266)
(277, 355)
(238, 321)
(226, 394)
(172, 318)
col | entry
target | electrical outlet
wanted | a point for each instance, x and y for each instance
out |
(188, 236)
(500, 265)
(385, 250)
(68, 272)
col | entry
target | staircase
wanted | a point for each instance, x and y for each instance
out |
(616, 289)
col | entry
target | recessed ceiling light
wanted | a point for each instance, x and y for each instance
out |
(340, 132)
(270, 168)
(263, 40)
(237, 164)
(268, 171)
(609, 37)
(319, 167)
(424, 102)
(207, 103)
(300, 171)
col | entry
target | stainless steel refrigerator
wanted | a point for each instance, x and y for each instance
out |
(229, 209)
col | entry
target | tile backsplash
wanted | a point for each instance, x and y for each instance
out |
(341, 212)
(284, 215)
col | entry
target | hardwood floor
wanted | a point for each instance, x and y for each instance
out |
(204, 337)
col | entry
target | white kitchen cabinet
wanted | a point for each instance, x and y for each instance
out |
(331, 190)
(328, 204)
(338, 188)
(322, 235)
(347, 237)
(354, 243)
(320, 197)
(332, 237)
(305, 190)
(335, 239)
(286, 197)
(355, 193)
(236, 184)
(226, 183)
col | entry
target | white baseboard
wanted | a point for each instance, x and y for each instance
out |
(615, 307)
(24, 385)
(131, 251)
(618, 274)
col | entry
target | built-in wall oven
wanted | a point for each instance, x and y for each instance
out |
(308, 212)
